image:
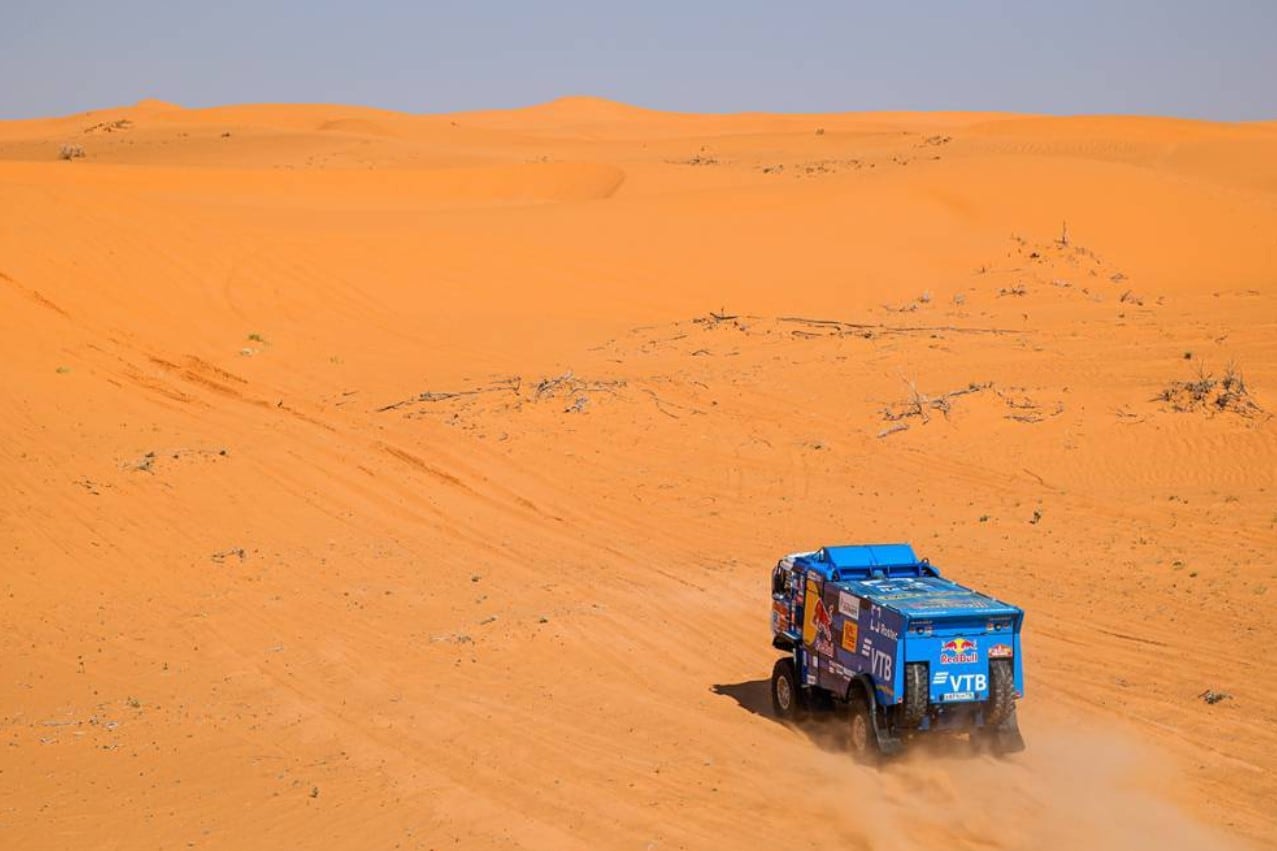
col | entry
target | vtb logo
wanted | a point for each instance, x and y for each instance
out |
(962, 682)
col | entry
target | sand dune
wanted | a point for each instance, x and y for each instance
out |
(379, 480)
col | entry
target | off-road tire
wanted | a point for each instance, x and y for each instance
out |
(788, 702)
(861, 738)
(917, 695)
(1001, 692)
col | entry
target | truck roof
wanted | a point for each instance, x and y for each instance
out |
(930, 596)
(891, 575)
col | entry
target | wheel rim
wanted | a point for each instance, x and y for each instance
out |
(859, 733)
(783, 693)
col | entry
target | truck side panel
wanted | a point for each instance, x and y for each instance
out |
(844, 661)
(847, 636)
(881, 630)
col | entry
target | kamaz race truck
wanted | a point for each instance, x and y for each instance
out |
(904, 649)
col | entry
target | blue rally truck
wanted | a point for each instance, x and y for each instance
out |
(906, 650)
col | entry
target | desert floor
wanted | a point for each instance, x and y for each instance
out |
(374, 480)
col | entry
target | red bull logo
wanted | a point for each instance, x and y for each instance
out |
(824, 642)
(959, 651)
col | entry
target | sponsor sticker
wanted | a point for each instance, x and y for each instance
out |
(780, 617)
(839, 670)
(880, 664)
(1000, 651)
(849, 605)
(850, 635)
(929, 603)
(968, 684)
(885, 631)
(878, 625)
(959, 651)
(823, 642)
(810, 609)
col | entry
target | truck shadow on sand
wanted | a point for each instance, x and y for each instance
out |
(829, 729)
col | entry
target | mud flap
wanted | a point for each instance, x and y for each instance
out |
(1002, 739)
(888, 745)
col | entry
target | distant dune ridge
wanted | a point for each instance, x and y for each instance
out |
(376, 479)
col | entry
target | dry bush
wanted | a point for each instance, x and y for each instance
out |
(1227, 394)
(919, 404)
(698, 159)
(71, 152)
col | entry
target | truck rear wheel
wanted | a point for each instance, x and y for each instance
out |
(1001, 693)
(787, 698)
(917, 695)
(862, 738)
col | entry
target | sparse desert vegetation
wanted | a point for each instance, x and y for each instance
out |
(1225, 394)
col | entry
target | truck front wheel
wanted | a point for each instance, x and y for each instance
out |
(787, 700)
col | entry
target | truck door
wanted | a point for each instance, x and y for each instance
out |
(787, 602)
(817, 630)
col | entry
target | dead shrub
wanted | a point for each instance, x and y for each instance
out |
(1206, 393)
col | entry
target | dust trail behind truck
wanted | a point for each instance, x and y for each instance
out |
(908, 652)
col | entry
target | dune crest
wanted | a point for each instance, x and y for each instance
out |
(156, 105)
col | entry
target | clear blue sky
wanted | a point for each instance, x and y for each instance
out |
(1169, 57)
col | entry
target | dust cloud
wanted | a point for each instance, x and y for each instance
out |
(1070, 789)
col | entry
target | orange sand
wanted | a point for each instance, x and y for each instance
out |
(246, 604)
